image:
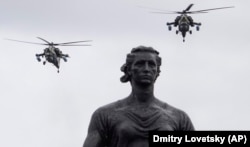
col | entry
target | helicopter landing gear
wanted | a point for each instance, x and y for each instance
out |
(190, 31)
(177, 32)
(44, 62)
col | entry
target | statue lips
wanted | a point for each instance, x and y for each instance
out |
(146, 76)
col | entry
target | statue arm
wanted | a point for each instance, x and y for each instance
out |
(186, 123)
(93, 139)
(96, 136)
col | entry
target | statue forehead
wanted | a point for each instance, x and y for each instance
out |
(144, 56)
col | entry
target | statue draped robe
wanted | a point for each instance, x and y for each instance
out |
(122, 124)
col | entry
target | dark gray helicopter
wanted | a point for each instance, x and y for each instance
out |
(184, 21)
(51, 53)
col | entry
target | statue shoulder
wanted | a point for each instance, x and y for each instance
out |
(178, 115)
(169, 108)
(109, 108)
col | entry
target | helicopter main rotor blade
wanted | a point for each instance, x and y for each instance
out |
(179, 12)
(152, 8)
(73, 42)
(44, 40)
(188, 8)
(212, 9)
(194, 12)
(167, 12)
(26, 42)
(74, 45)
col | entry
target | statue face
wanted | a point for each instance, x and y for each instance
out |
(144, 68)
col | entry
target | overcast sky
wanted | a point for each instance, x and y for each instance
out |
(207, 76)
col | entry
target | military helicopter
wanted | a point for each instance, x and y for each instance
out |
(51, 53)
(184, 21)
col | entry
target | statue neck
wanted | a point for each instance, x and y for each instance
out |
(142, 94)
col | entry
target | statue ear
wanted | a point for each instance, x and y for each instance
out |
(129, 72)
(125, 69)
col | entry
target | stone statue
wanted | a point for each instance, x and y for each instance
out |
(126, 122)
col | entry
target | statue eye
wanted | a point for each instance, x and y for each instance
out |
(139, 63)
(151, 63)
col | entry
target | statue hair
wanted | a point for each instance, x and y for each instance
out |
(130, 59)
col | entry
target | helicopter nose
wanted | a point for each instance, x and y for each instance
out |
(183, 27)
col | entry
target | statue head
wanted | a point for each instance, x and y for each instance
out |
(135, 53)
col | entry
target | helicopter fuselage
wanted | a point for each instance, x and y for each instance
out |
(183, 24)
(52, 55)
(183, 28)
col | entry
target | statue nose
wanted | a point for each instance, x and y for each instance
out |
(146, 67)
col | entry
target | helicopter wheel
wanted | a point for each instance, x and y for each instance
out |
(44, 62)
(190, 31)
(177, 32)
